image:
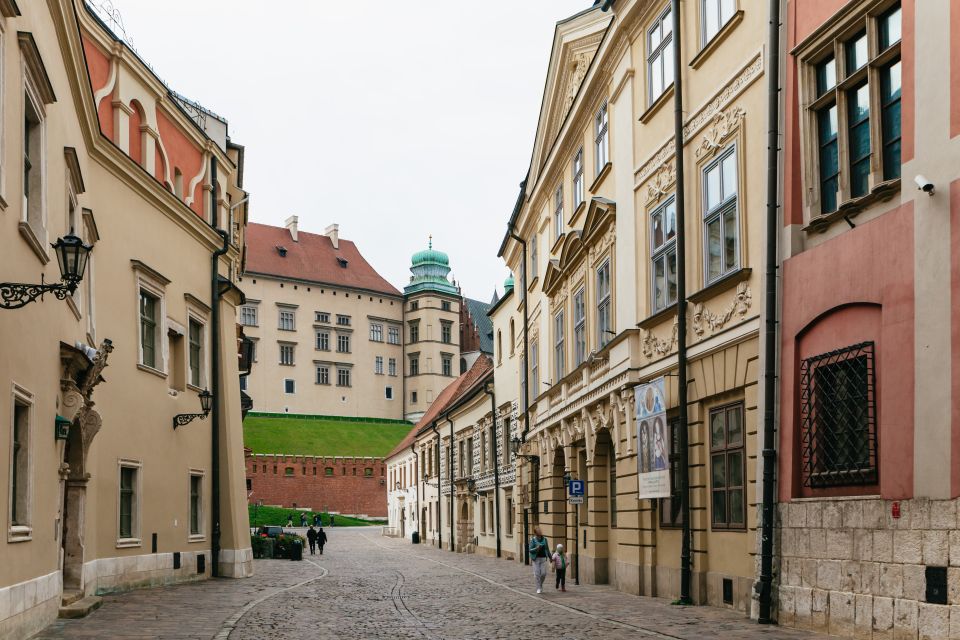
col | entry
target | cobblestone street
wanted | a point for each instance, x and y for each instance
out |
(366, 586)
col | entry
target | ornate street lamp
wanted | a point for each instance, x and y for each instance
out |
(72, 257)
(516, 442)
(206, 402)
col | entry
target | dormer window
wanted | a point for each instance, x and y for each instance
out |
(342, 262)
(282, 250)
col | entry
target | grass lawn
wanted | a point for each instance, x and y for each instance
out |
(332, 437)
(278, 516)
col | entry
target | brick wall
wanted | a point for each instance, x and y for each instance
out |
(341, 485)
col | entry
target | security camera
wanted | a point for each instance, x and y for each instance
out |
(924, 185)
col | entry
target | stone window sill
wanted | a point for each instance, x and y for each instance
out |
(657, 104)
(600, 177)
(148, 369)
(34, 242)
(19, 533)
(197, 538)
(128, 543)
(658, 317)
(720, 285)
(717, 39)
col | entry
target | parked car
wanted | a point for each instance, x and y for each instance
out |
(270, 532)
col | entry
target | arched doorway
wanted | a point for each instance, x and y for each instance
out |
(557, 518)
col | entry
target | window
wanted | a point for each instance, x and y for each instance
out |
(603, 304)
(727, 467)
(149, 312)
(343, 343)
(533, 257)
(579, 329)
(321, 317)
(20, 475)
(289, 386)
(414, 365)
(287, 320)
(659, 56)
(376, 332)
(671, 514)
(378, 365)
(129, 503)
(195, 340)
(414, 305)
(558, 337)
(578, 179)
(413, 397)
(388, 393)
(445, 305)
(323, 340)
(414, 332)
(509, 516)
(343, 321)
(601, 138)
(367, 472)
(721, 234)
(248, 316)
(328, 471)
(343, 377)
(446, 366)
(557, 212)
(286, 354)
(446, 332)
(499, 346)
(535, 367)
(838, 418)
(323, 374)
(196, 493)
(845, 107)
(663, 233)
(33, 169)
(393, 335)
(714, 15)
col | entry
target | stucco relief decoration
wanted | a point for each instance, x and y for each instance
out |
(716, 135)
(579, 66)
(704, 319)
(654, 346)
(661, 183)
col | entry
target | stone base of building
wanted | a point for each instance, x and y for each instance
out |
(236, 563)
(27, 607)
(112, 575)
(850, 568)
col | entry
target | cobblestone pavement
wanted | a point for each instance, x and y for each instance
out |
(367, 586)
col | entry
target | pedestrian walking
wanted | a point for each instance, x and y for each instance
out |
(321, 539)
(312, 538)
(290, 520)
(560, 563)
(332, 520)
(539, 557)
(303, 519)
(316, 519)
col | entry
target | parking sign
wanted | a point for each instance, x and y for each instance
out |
(576, 488)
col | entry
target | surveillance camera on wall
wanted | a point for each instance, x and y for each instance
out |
(924, 185)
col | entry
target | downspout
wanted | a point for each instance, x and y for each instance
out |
(526, 343)
(681, 309)
(439, 510)
(770, 333)
(450, 476)
(416, 485)
(215, 375)
(496, 463)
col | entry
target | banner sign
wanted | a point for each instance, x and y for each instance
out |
(652, 458)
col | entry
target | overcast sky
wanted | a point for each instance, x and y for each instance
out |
(395, 119)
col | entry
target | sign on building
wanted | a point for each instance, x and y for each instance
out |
(652, 461)
(576, 490)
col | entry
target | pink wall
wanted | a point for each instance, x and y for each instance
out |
(183, 155)
(98, 66)
(136, 143)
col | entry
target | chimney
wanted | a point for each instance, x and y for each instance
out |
(333, 232)
(291, 225)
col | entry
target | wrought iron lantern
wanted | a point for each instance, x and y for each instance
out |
(72, 256)
(206, 402)
(515, 443)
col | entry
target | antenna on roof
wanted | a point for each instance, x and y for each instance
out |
(430, 241)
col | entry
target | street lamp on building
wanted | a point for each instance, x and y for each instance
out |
(206, 403)
(72, 256)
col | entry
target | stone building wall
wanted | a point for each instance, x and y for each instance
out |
(849, 568)
(353, 486)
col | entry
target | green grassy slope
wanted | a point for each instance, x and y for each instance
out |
(278, 517)
(327, 437)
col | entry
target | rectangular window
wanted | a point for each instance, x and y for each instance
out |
(33, 173)
(323, 341)
(829, 155)
(446, 365)
(195, 340)
(659, 56)
(557, 212)
(196, 493)
(413, 397)
(343, 377)
(343, 321)
(248, 316)
(535, 367)
(323, 374)
(414, 305)
(858, 135)
(393, 335)
(663, 232)
(715, 14)
(533, 257)
(378, 365)
(558, 338)
(838, 418)
(20, 462)
(414, 332)
(286, 354)
(392, 367)
(603, 304)
(129, 503)
(445, 305)
(727, 467)
(509, 516)
(149, 311)
(579, 328)
(721, 233)
(289, 386)
(287, 320)
(446, 332)
(578, 179)
(343, 343)
(601, 138)
(414, 365)
(321, 317)
(376, 332)
(670, 513)
(890, 85)
(388, 393)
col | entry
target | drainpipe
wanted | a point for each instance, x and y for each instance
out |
(681, 309)
(526, 343)
(450, 475)
(433, 427)
(496, 463)
(215, 375)
(770, 333)
(416, 483)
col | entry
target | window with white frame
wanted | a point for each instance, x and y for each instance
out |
(388, 393)
(414, 365)
(287, 320)
(558, 346)
(378, 365)
(343, 343)
(604, 326)
(289, 386)
(558, 212)
(376, 332)
(393, 335)
(286, 354)
(342, 320)
(392, 366)
(323, 374)
(533, 257)
(195, 347)
(323, 341)
(149, 329)
(415, 331)
(446, 365)
(535, 367)
(714, 14)
(663, 233)
(248, 316)
(128, 511)
(579, 328)
(601, 138)
(196, 504)
(34, 144)
(321, 317)
(446, 332)
(578, 179)
(21, 442)
(343, 377)
(659, 56)
(721, 234)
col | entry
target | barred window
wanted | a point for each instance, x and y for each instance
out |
(838, 418)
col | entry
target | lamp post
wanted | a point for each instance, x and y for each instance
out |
(72, 257)
(206, 401)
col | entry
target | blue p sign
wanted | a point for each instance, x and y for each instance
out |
(576, 487)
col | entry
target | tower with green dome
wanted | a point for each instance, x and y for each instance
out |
(430, 270)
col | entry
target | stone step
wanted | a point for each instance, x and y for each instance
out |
(69, 597)
(81, 607)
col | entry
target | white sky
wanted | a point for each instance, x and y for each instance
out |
(395, 119)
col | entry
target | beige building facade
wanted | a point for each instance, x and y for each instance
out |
(94, 144)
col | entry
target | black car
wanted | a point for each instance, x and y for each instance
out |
(270, 532)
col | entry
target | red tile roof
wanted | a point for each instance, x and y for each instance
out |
(451, 393)
(312, 258)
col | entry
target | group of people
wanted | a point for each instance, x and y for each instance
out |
(316, 538)
(541, 557)
(317, 521)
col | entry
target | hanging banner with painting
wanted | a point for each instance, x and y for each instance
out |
(652, 453)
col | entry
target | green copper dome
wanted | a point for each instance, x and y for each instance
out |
(508, 283)
(430, 256)
(430, 269)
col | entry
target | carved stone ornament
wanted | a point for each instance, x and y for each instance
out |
(723, 125)
(661, 182)
(579, 66)
(704, 319)
(654, 346)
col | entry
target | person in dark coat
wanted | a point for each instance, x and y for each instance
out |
(303, 519)
(316, 519)
(321, 538)
(312, 539)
